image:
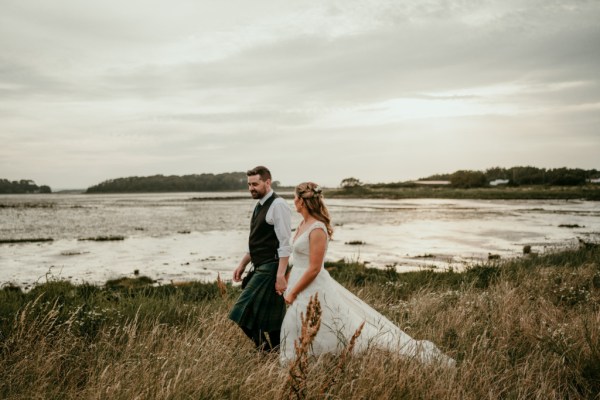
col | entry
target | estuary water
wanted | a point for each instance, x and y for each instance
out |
(195, 236)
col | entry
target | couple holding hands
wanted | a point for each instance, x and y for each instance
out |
(273, 298)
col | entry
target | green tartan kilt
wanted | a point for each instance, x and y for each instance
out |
(259, 306)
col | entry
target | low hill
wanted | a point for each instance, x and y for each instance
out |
(24, 186)
(173, 183)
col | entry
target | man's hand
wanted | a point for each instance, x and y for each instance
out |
(280, 284)
(237, 273)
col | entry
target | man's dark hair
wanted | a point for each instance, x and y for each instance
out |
(260, 170)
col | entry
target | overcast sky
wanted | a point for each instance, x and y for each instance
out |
(316, 90)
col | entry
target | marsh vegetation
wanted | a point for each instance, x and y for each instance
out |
(524, 328)
(415, 191)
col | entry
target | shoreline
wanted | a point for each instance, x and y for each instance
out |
(207, 277)
(170, 237)
(587, 193)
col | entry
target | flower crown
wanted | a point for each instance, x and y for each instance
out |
(316, 191)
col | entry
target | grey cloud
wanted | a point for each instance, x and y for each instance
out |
(400, 60)
(572, 94)
(245, 116)
(106, 74)
(21, 80)
(380, 65)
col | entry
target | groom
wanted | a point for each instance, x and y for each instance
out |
(260, 309)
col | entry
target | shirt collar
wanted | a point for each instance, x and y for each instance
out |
(266, 197)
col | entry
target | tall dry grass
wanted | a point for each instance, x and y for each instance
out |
(528, 329)
(298, 369)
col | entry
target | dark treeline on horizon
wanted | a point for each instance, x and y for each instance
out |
(514, 176)
(208, 182)
(173, 183)
(517, 176)
(24, 186)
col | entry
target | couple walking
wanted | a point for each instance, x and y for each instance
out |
(261, 308)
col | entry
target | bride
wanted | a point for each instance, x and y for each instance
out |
(342, 312)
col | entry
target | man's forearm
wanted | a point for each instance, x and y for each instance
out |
(245, 260)
(282, 268)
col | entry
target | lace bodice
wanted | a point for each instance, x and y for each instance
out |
(301, 245)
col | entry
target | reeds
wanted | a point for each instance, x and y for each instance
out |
(298, 369)
(332, 378)
(221, 286)
(528, 329)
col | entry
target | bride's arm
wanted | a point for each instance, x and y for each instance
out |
(317, 246)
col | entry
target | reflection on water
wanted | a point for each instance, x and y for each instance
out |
(182, 236)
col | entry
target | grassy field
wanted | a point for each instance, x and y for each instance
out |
(587, 192)
(522, 329)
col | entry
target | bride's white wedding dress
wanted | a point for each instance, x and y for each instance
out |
(342, 314)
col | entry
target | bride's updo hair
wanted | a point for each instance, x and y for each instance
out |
(312, 196)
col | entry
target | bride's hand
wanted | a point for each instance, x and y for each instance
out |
(289, 298)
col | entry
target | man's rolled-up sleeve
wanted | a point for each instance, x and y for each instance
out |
(282, 222)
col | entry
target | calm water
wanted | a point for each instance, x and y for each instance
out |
(176, 236)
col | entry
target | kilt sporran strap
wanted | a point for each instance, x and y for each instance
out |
(247, 278)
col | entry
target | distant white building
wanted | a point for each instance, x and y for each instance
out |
(497, 182)
(596, 180)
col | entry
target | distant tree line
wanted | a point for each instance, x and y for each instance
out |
(517, 176)
(514, 176)
(23, 186)
(173, 183)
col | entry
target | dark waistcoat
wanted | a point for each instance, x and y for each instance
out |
(263, 242)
